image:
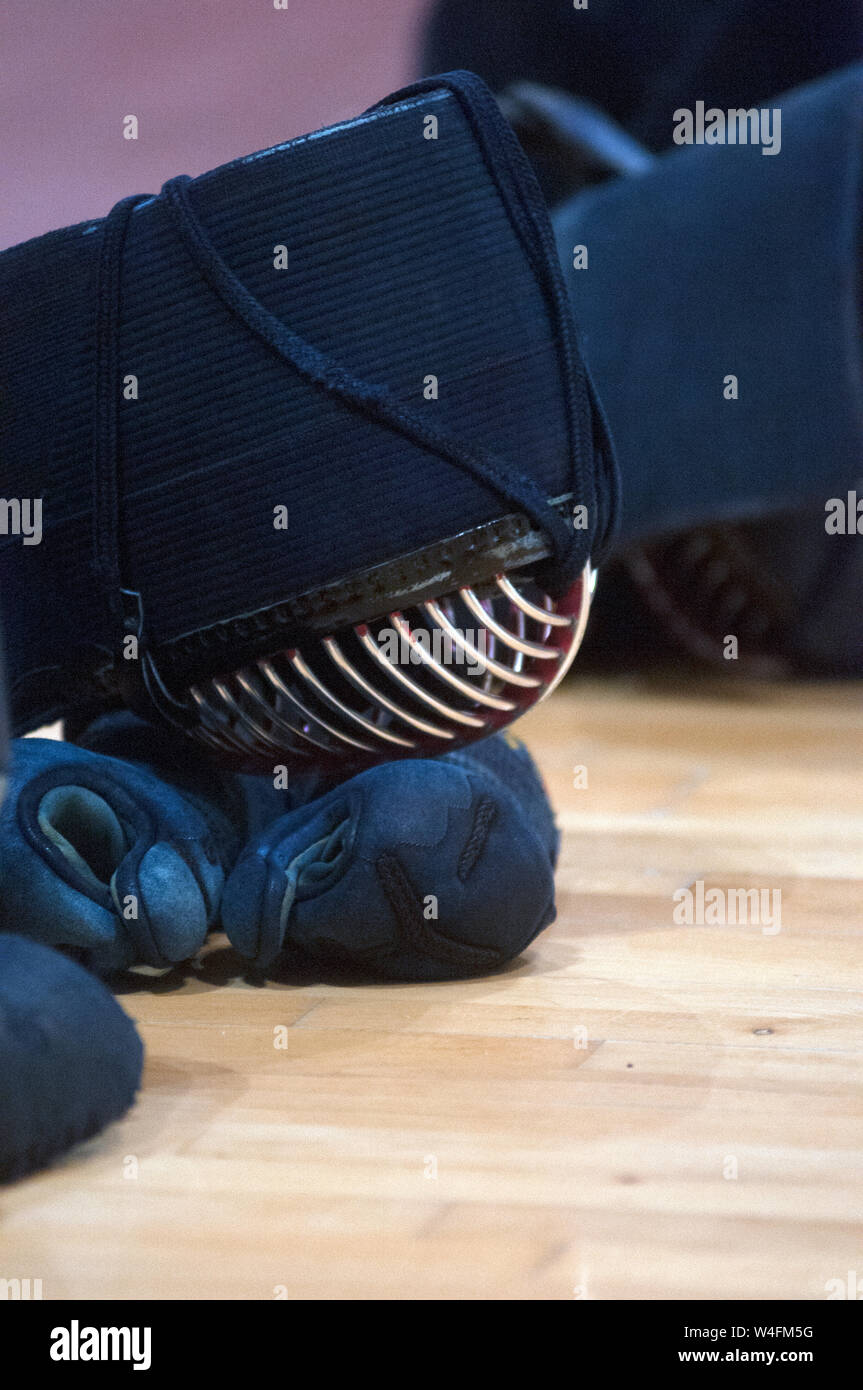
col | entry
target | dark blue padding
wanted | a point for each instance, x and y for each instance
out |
(419, 870)
(406, 259)
(721, 260)
(330, 870)
(70, 1059)
(100, 856)
(118, 849)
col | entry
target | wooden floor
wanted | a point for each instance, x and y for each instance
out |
(636, 1109)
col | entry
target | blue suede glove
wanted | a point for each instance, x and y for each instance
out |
(120, 849)
(432, 869)
(415, 870)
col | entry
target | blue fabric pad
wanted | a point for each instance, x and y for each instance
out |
(416, 870)
(120, 851)
(104, 857)
(70, 1059)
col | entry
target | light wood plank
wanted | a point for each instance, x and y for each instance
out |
(635, 1109)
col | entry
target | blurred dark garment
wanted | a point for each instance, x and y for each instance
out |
(788, 594)
(717, 297)
(641, 59)
(719, 314)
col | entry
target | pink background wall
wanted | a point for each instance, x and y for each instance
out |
(207, 79)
